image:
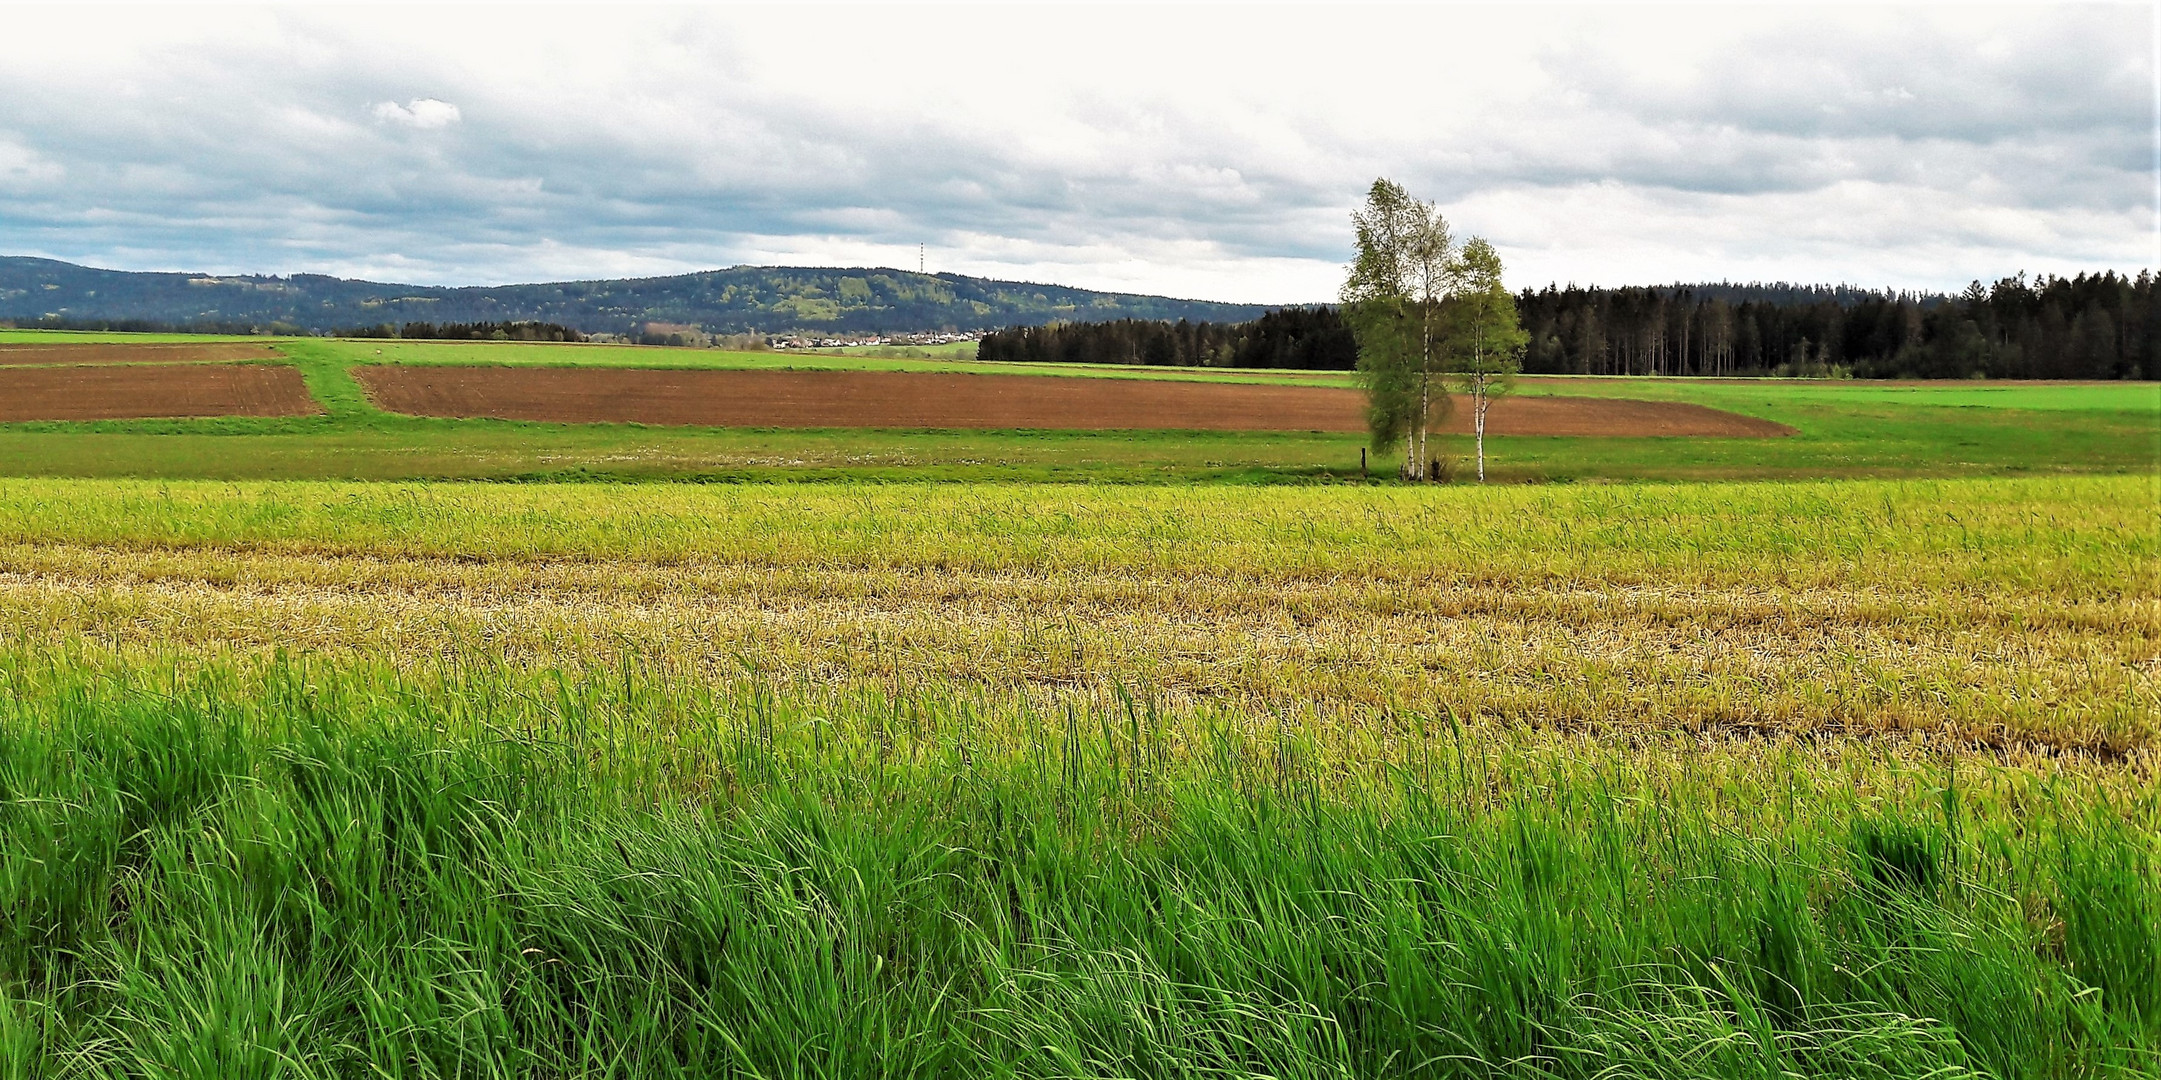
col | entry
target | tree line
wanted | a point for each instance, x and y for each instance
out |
(223, 328)
(1295, 337)
(474, 331)
(2093, 326)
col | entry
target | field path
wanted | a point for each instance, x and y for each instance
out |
(911, 400)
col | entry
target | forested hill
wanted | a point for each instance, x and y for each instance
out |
(739, 300)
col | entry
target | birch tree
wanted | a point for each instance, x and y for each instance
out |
(1392, 300)
(1485, 344)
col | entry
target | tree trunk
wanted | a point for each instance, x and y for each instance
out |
(1414, 445)
(1479, 400)
(1425, 383)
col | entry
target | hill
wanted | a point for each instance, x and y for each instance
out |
(764, 299)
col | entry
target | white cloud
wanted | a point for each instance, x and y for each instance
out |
(1212, 152)
(420, 113)
(22, 169)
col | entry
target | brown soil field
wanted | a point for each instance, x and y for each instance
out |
(152, 390)
(1612, 416)
(911, 400)
(128, 352)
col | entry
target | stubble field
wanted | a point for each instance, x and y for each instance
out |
(1820, 779)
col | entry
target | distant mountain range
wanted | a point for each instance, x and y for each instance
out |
(744, 299)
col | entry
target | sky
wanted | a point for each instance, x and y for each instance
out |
(1210, 152)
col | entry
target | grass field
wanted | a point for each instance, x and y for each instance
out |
(1835, 778)
(1740, 394)
(1847, 429)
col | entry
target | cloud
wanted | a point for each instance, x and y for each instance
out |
(1168, 150)
(424, 113)
(22, 168)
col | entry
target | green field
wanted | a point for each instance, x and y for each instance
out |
(1846, 429)
(1746, 394)
(1825, 778)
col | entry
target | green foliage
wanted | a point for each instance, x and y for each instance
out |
(1482, 340)
(2092, 326)
(1483, 346)
(478, 331)
(1389, 369)
(1293, 337)
(1427, 314)
(1391, 299)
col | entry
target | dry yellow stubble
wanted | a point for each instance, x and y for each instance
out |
(2033, 669)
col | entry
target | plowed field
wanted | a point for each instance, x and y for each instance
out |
(152, 390)
(910, 400)
(133, 352)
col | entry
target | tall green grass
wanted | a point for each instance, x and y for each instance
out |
(291, 868)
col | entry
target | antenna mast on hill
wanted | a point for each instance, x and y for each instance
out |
(919, 248)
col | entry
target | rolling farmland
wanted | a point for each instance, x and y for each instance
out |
(1455, 542)
(1855, 429)
(926, 766)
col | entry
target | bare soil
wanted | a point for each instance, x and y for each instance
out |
(152, 390)
(911, 400)
(129, 352)
(1611, 416)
